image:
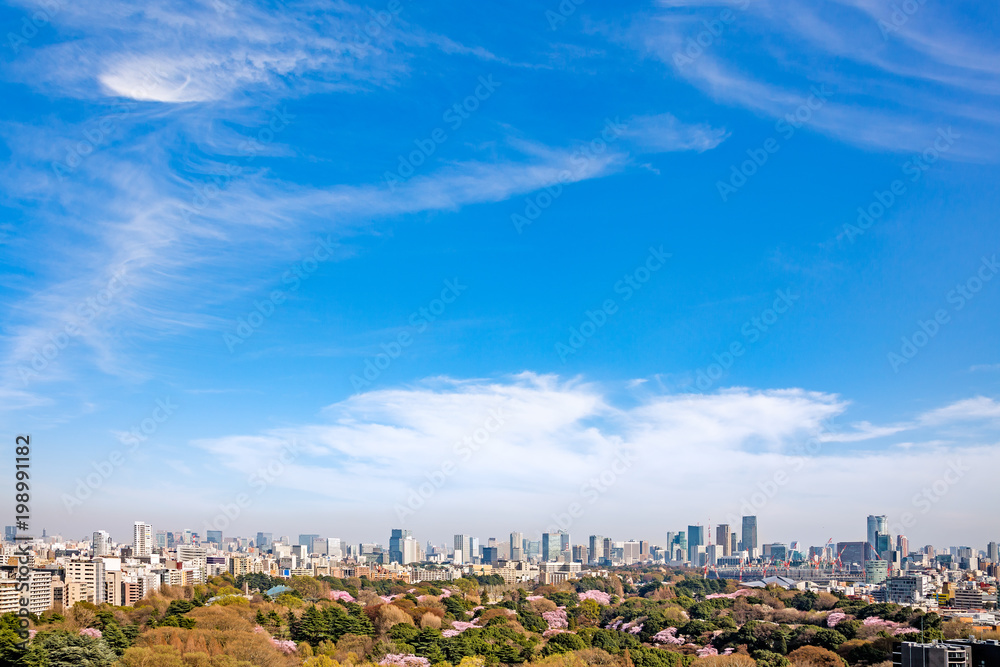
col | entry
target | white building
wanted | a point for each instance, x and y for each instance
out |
(142, 539)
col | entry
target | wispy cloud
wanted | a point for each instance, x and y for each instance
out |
(891, 92)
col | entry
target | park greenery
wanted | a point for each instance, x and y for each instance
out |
(654, 618)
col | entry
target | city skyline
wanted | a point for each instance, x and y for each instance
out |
(447, 268)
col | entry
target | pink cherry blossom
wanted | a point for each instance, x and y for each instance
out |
(341, 595)
(668, 636)
(707, 651)
(286, 646)
(600, 597)
(404, 660)
(532, 598)
(834, 618)
(556, 619)
(91, 632)
(258, 629)
(743, 592)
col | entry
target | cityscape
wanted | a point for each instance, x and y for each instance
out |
(535, 333)
(954, 585)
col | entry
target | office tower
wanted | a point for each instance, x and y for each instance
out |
(564, 546)
(307, 540)
(9, 533)
(490, 555)
(902, 546)
(550, 546)
(632, 549)
(101, 545)
(724, 539)
(412, 552)
(396, 543)
(264, 540)
(607, 551)
(473, 549)
(142, 539)
(876, 524)
(533, 549)
(750, 534)
(161, 539)
(580, 554)
(733, 545)
(596, 549)
(695, 539)
(680, 546)
(883, 544)
(517, 546)
(213, 537)
(463, 549)
(671, 535)
(993, 552)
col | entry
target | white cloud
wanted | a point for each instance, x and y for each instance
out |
(695, 458)
(664, 133)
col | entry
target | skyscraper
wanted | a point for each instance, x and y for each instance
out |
(596, 549)
(723, 538)
(876, 524)
(463, 549)
(695, 539)
(101, 543)
(550, 546)
(213, 536)
(517, 546)
(396, 544)
(750, 534)
(264, 540)
(992, 552)
(142, 539)
(307, 540)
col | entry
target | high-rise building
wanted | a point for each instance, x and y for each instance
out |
(550, 546)
(213, 537)
(632, 551)
(733, 545)
(695, 539)
(490, 556)
(264, 540)
(596, 549)
(463, 549)
(517, 546)
(750, 534)
(307, 540)
(101, 545)
(396, 543)
(876, 524)
(581, 554)
(142, 539)
(993, 552)
(723, 538)
(902, 546)
(564, 547)
(161, 539)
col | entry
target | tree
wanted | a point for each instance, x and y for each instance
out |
(563, 643)
(62, 649)
(814, 656)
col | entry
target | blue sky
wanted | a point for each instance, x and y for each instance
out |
(260, 199)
